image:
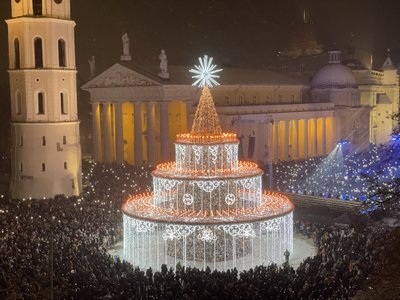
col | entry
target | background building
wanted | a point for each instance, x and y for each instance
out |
(278, 116)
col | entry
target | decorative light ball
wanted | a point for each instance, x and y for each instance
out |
(207, 235)
(230, 199)
(187, 199)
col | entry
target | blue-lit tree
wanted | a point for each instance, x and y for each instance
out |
(384, 174)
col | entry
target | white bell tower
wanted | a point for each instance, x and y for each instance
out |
(46, 150)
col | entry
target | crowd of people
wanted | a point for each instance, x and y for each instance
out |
(59, 247)
(369, 176)
(69, 236)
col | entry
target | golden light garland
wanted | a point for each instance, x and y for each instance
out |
(190, 138)
(245, 168)
(273, 205)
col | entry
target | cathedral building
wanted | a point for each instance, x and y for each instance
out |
(278, 116)
(45, 151)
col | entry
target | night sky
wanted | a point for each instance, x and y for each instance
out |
(249, 33)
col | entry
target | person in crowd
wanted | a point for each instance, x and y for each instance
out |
(59, 247)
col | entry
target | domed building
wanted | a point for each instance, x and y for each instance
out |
(335, 83)
(278, 116)
(364, 100)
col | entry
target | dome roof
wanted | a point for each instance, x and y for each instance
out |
(334, 75)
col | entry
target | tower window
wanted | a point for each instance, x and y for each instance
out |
(44, 141)
(65, 165)
(292, 98)
(61, 53)
(38, 53)
(64, 140)
(21, 167)
(64, 104)
(40, 103)
(37, 7)
(18, 104)
(21, 141)
(17, 54)
(43, 167)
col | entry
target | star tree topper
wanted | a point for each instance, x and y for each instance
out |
(205, 73)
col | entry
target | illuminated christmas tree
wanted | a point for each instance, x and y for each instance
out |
(208, 208)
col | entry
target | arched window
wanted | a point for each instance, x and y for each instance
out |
(43, 167)
(43, 141)
(18, 104)
(63, 104)
(61, 53)
(38, 53)
(37, 7)
(40, 103)
(17, 54)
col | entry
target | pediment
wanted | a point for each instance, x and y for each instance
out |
(120, 76)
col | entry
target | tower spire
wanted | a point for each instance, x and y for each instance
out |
(388, 64)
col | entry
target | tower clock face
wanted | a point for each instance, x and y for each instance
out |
(58, 1)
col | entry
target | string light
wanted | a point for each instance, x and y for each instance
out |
(207, 208)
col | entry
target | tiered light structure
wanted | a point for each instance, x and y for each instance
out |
(208, 208)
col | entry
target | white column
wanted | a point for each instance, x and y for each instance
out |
(189, 117)
(151, 141)
(296, 138)
(96, 132)
(270, 140)
(276, 141)
(270, 128)
(164, 131)
(315, 142)
(119, 138)
(323, 136)
(286, 141)
(107, 132)
(138, 145)
(261, 141)
(305, 138)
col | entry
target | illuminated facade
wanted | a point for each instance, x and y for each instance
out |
(46, 152)
(379, 90)
(208, 208)
(277, 116)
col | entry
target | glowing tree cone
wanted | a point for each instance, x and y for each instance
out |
(206, 118)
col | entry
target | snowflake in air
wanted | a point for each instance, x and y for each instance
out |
(205, 73)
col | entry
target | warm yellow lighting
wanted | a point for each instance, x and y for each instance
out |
(273, 205)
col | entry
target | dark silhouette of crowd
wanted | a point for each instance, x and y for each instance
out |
(58, 248)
